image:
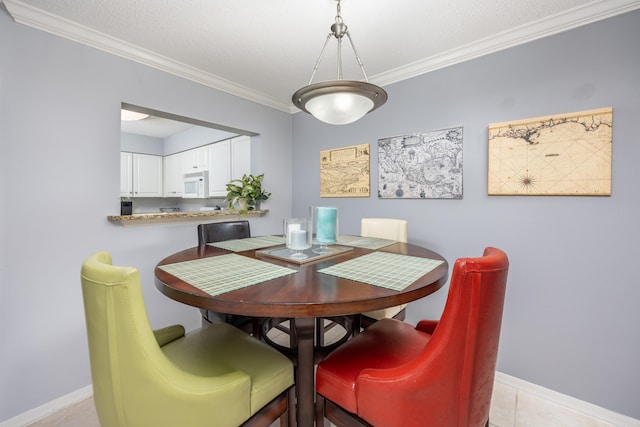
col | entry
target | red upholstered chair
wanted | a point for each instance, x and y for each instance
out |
(438, 374)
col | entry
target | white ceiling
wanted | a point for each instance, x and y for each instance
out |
(265, 50)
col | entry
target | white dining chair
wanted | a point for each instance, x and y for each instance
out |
(391, 229)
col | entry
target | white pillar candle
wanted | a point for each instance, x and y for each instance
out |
(290, 228)
(298, 239)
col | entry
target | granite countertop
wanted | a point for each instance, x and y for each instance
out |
(159, 217)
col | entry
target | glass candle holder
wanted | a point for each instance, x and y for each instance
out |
(298, 236)
(325, 219)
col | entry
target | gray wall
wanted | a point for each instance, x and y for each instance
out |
(59, 179)
(571, 317)
(570, 321)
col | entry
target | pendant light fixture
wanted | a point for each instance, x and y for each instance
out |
(339, 102)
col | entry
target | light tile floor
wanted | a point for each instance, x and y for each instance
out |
(82, 414)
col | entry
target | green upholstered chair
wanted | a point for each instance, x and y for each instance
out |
(213, 376)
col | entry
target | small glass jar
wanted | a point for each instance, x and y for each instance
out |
(298, 236)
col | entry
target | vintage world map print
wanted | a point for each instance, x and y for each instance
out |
(566, 154)
(344, 172)
(422, 165)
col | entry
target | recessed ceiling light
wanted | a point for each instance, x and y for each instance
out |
(129, 116)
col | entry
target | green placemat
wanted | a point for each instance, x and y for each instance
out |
(239, 245)
(364, 242)
(225, 273)
(384, 269)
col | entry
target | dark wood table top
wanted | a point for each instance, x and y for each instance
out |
(304, 294)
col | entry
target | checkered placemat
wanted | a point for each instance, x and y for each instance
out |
(384, 269)
(225, 273)
(364, 242)
(239, 245)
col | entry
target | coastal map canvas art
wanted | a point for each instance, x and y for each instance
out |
(564, 154)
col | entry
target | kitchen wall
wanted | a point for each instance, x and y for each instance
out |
(141, 144)
(571, 316)
(59, 180)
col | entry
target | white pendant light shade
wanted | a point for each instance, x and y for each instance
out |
(339, 108)
(339, 102)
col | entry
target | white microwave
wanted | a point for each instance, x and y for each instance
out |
(196, 185)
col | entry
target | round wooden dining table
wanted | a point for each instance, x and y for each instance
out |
(303, 296)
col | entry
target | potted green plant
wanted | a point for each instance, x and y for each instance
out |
(247, 192)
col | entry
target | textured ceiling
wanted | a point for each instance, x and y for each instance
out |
(265, 50)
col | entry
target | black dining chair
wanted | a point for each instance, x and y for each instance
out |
(218, 232)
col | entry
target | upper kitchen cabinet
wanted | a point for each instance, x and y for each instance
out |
(196, 159)
(229, 159)
(174, 171)
(220, 170)
(147, 175)
(126, 174)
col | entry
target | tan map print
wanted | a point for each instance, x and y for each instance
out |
(565, 154)
(344, 172)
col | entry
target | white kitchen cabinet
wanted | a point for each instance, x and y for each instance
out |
(219, 168)
(173, 170)
(147, 175)
(229, 159)
(126, 174)
(196, 159)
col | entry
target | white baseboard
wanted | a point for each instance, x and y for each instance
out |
(587, 409)
(520, 386)
(43, 411)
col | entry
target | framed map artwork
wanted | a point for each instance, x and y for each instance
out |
(424, 165)
(565, 154)
(344, 172)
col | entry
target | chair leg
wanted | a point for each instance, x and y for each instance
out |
(356, 326)
(337, 415)
(293, 338)
(291, 404)
(320, 331)
(256, 330)
(320, 419)
(288, 419)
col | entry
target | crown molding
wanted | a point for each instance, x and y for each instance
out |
(582, 15)
(573, 18)
(36, 18)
